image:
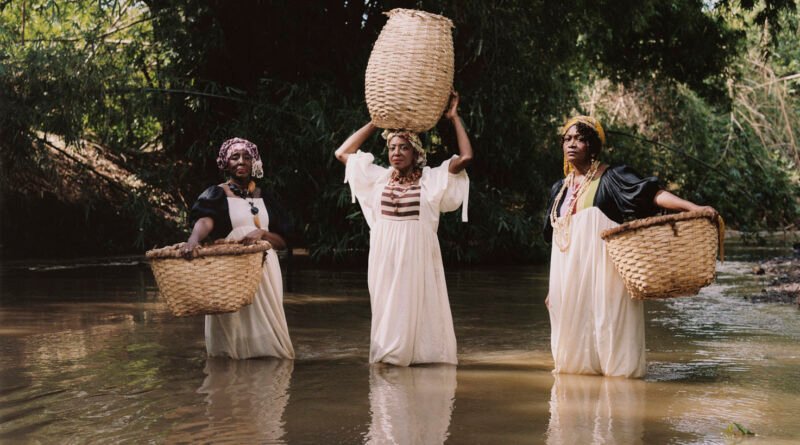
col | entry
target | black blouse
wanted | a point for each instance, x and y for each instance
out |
(214, 203)
(622, 194)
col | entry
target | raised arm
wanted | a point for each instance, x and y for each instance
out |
(464, 145)
(354, 142)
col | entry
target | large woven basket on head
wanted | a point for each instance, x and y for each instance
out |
(410, 71)
(666, 256)
(223, 277)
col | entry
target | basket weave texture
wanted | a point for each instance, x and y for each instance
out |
(410, 71)
(666, 256)
(222, 277)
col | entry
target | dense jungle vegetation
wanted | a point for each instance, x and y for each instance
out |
(111, 112)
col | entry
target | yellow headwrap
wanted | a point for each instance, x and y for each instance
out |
(586, 120)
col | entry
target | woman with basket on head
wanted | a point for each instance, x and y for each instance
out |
(237, 210)
(411, 320)
(596, 328)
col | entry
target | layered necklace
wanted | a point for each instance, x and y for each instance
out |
(409, 178)
(561, 224)
(247, 195)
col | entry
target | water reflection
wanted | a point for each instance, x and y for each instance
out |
(93, 356)
(596, 410)
(410, 405)
(245, 400)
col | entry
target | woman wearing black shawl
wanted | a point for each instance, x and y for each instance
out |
(596, 328)
(237, 210)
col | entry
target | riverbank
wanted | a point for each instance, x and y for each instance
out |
(782, 279)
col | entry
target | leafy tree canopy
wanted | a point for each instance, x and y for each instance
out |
(161, 84)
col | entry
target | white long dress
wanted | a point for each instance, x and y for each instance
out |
(257, 330)
(411, 320)
(596, 328)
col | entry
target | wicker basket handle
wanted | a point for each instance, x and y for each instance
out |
(219, 247)
(713, 217)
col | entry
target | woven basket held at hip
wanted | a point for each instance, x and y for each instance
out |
(223, 277)
(410, 71)
(666, 256)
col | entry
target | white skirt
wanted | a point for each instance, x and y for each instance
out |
(411, 319)
(596, 328)
(257, 330)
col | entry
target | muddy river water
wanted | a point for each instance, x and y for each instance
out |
(89, 354)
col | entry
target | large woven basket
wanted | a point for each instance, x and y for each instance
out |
(223, 277)
(410, 71)
(666, 256)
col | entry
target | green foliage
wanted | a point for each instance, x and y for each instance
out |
(761, 14)
(698, 154)
(630, 39)
(162, 84)
(66, 70)
(65, 73)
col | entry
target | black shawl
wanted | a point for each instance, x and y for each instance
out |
(214, 203)
(621, 195)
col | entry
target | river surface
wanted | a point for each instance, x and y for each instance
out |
(90, 355)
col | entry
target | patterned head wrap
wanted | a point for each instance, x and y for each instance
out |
(591, 123)
(412, 138)
(226, 150)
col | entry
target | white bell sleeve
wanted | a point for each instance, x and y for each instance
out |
(366, 179)
(448, 191)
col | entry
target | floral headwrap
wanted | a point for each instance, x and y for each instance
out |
(412, 138)
(591, 123)
(225, 152)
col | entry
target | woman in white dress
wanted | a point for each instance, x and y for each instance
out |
(411, 320)
(237, 210)
(596, 328)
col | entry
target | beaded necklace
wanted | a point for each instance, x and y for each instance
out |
(561, 224)
(245, 194)
(409, 178)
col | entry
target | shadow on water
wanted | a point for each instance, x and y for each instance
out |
(90, 354)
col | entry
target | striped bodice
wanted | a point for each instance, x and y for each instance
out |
(400, 202)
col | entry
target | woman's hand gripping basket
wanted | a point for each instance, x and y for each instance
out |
(222, 277)
(410, 71)
(666, 256)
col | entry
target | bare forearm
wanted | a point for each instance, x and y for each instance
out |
(202, 228)
(464, 147)
(667, 200)
(354, 142)
(276, 240)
